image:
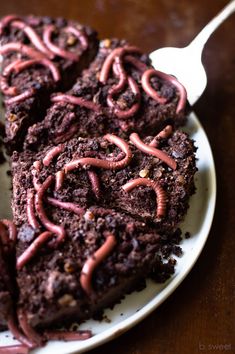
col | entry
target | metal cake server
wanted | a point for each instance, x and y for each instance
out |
(185, 63)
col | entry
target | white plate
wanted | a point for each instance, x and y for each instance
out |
(136, 306)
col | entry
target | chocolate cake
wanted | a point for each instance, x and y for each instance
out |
(150, 183)
(41, 55)
(101, 175)
(119, 93)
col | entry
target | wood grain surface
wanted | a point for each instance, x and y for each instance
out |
(199, 316)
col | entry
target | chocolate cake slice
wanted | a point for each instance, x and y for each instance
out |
(95, 217)
(105, 254)
(151, 179)
(119, 93)
(41, 55)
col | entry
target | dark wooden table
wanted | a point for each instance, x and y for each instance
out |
(199, 316)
